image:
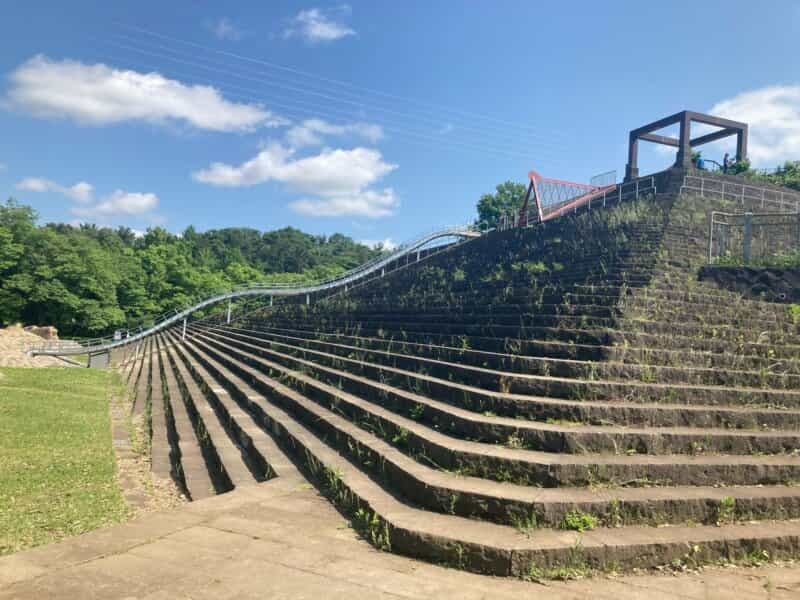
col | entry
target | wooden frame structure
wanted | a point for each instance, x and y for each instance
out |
(684, 143)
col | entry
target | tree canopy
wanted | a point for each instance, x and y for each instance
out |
(787, 175)
(88, 280)
(507, 198)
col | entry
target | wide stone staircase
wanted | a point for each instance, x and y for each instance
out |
(538, 403)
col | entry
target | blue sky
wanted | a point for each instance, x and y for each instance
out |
(374, 119)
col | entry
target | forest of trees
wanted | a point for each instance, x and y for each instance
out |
(89, 280)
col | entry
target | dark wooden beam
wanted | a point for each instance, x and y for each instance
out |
(660, 124)
(660, 139)
(714, 136)
(715, 121)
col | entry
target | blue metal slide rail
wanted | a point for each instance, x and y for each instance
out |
(339, 282)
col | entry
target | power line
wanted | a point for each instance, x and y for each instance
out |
(291, 88)
(328, 80)
(291, 111)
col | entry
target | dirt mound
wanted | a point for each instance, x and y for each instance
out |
(14, 342)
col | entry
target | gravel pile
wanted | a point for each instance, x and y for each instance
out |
(14, 340)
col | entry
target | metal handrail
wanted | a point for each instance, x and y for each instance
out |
(72, 347)
(608, 195)
(747, 223)
(707, 186)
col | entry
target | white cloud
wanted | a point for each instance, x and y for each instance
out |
(81, 191)
(311, 132)
(773, 114)
(35, 184)
(99, 95)
(386, 244)
(330, 171)
(120, 203)
(225, 30)
(340, 179)
(373, 204)
(3, 166)
(315, 25)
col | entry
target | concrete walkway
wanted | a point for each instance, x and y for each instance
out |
(281, 539)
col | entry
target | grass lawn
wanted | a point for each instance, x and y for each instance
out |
(57, 465)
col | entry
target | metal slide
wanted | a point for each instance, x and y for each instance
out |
(98, 345)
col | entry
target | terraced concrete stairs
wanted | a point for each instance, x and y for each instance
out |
(565, 397)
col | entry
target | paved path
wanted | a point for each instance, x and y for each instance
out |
(282, 540)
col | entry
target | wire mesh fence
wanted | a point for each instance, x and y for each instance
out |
(604, 179)
(755, 239)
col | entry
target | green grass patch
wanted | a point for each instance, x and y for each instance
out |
(57, 464)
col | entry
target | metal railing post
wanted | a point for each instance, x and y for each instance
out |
(228, 321)
(710, 236)
(748, 237)
(183, 333)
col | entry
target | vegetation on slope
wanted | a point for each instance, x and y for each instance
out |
(57, 466)
(787, 175)
(88, 280)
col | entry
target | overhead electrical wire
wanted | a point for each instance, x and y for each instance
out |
(229, 73)
(332, 81)
(292, 111)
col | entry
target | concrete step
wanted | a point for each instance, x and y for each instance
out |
(532, 467)
(619, 413)
(471, 429)
(502, 550)
(498, 371)
(143, 382)
(521, 350)
(634, 320)
(461, 350)
(160, 450)
(252, 444)
(579, 389)
(230, 463)
(504, 502)
(189, 464)
(759, 342)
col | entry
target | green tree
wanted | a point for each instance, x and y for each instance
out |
(89, 280)
(507, 198)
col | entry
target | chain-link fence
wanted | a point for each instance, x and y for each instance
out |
(754, 239)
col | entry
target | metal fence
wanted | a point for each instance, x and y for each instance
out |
(604, 179)
(753, 239)
(632, 190)
(756, 196)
